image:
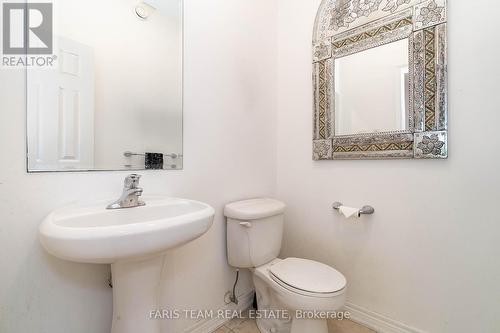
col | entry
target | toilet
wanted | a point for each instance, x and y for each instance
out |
(306, 289)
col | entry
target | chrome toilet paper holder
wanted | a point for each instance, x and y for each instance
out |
(365, 210)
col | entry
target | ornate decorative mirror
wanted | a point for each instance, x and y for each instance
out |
(380, 79)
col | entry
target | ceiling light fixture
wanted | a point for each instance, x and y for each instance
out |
(142, 11)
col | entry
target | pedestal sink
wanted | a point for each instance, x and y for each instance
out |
(133, 241)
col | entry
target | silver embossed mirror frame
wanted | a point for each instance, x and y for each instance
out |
(345, 27)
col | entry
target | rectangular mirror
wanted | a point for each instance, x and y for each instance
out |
(113, 98)
(372, 90)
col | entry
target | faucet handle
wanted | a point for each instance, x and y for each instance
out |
(132, 181)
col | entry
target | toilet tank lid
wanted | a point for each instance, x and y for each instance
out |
(254, 209)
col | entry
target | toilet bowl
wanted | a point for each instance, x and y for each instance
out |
(293, 295)
(305, 289)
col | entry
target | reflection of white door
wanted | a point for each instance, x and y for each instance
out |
(61, 110)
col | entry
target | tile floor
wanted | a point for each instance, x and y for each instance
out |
(241, 325)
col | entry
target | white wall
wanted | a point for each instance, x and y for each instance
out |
(429, 255)
(229, 155)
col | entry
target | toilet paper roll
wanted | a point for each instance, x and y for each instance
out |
(349, 212)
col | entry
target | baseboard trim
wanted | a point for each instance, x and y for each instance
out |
(209, 325)
(365, 317)
(378, 322)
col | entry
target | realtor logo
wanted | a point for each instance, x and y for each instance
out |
(27, 28)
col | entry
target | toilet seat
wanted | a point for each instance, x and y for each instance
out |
(307, 277)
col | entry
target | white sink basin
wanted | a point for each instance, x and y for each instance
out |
(93, 234)
(134, 242)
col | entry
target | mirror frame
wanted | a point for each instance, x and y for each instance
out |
(345, 27)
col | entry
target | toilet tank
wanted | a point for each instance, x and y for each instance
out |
(254, 231)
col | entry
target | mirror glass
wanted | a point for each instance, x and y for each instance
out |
(372, 90)
(113, 100)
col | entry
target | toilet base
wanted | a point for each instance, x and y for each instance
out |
(309, 326)
(272, 296)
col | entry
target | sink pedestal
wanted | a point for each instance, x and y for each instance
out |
(137, 292)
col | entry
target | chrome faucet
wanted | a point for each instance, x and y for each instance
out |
(130, 195)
